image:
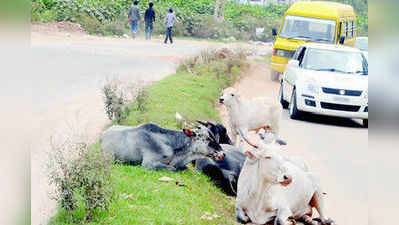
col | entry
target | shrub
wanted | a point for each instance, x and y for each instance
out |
(47, 16)
(91, 25)
(82, 177)
(118, 97)
(209, 27)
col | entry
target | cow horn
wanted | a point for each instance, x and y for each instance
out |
(202, 122)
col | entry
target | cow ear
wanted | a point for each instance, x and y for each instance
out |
(188, 132)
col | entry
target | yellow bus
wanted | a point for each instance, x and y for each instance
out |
(311, 21)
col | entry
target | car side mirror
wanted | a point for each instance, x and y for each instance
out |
(274, 31)
(342, 40)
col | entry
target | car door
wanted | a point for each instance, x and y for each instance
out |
(290, 75)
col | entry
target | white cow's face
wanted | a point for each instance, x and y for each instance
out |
(270, 166)
(229, 96)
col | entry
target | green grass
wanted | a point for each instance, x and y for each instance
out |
(193, 95)
(156, 202)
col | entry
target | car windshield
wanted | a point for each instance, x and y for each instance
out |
(308, 29)
(362, 44)
(345, 62)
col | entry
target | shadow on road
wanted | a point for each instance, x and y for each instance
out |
(329, 120)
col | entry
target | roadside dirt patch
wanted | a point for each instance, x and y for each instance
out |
(57, 27)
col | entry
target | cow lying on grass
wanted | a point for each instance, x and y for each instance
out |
(250, 115)
(156, 148)
(224, 173)
(273, 188)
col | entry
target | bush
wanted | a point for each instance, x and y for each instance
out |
(210, 27)
(118, 97)
(91, 25)
(82, 178)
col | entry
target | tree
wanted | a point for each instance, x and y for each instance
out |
(219, 9)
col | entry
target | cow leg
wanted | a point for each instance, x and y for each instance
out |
(154, 164)
(275, 126)
(230, 182)
(282, 217)
(241, 215)
(233, 133)
(308, 220)
(318, 202)
(236, 138)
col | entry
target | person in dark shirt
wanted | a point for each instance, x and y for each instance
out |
(149, 18)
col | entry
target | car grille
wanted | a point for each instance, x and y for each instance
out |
(335, 91)
(347, 108)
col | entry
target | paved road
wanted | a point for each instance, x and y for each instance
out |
(336, 149)
(68, 71)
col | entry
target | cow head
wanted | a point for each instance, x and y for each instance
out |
(204, 143)
(230, 95)
(269, 166)
(218, 130)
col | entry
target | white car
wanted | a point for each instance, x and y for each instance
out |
(326, 79)
(362, 43)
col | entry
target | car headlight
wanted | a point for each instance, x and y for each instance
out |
(366, 94)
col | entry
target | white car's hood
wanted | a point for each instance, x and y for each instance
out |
(335, 80)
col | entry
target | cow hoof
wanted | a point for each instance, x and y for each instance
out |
(279, 222)
(242, 220)
(328, 222)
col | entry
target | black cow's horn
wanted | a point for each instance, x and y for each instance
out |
(202, 122)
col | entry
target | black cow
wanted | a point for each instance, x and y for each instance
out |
(224, 173)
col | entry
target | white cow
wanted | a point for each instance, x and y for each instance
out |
(273, 188)
(250, 115)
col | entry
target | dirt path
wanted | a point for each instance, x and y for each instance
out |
(333, 148)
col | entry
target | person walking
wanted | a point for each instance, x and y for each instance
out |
(134, 18)
(169, 21)
(149, 18)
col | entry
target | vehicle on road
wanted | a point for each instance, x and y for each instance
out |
(326, 79)
(362, 43)
(308, 21)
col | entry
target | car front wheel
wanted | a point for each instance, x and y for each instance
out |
(284, 103)
(365, 123)
(294, 112)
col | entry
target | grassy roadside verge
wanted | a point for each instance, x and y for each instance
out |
(139, 198)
